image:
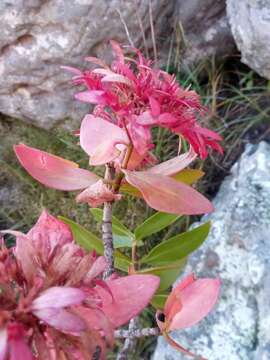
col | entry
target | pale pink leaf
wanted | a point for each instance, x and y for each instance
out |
(117, 78)
(174, 165)
(197, 298)
(3, 343)
(131, 294)
(52, 170)
(168, 195)
(96, 131)
(58, 297)
(91, 96)
(61, 319)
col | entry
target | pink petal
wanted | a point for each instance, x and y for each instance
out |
(72, 69)
(52, 170)
(96, 269)
(61, 319)
(3, 343)
(47, 234)
(117, 51)
(155, 106)
(197, 298)
(105, 152)
(208, 133)
(146, 119)
(165, 194)
(174, 165)
(131, 294)
(97, 195)
(173, 303)
(19, 350)
(26, 255)
(92, 97)
(58, 297)
(96, 131)
(117, 78)
(167, 118)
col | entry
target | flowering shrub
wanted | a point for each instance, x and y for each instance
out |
(62, 296)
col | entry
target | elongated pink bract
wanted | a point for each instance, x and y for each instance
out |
(197, 299)
(53, 171)
(131, 294)
(168, 195)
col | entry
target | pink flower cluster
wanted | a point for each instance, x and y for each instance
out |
(53, 302)
(135, 96)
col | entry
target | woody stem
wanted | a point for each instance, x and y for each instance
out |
(107, 235)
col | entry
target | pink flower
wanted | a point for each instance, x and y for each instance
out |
(97, 194)
(189, 302)
(132, 95)
(52, 300)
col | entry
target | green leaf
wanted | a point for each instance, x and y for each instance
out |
(130, 190)
(84, 237)
(90, 242)
(155, 223)
(177, 247)
(158, 301)
(117, 227)
(121, 241)
(188, 176)
(168, 274)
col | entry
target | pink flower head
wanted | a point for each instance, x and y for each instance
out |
(135, 96)
(52, 300)
(189, 302)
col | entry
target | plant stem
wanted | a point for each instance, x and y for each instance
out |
(120, 176)
(107, 235)
(130, 342)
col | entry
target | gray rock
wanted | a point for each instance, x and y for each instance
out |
(250, 23)
(206, 29)
(237, 251)
(38, 36)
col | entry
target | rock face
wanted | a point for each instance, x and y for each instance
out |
(206, 29)
(250, 23)
(39, 36)
(238, 251)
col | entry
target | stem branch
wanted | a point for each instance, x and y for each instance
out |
(107, 235)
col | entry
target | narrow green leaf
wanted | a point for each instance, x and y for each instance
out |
(84, 237)
(117, 226)
(168, 274)
(158, 301)
(177, 247)
(90, 242)
(120, 241)
(155, 223)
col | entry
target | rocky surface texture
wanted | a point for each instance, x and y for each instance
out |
(250, 24)
(206, 30)
(238, 251)
(38, 36)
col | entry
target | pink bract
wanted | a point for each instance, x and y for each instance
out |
(54, 300)
(188, 303)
